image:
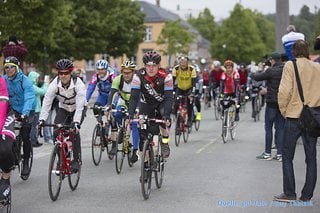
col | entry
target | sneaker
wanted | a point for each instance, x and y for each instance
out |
(264, 156)
(75, 166)
(198, 116)
(135, 156)
(303, 199)
(165, 150)
(284, 198)
(113, 148)
(25, 167)
(277, 157)
(5, 188)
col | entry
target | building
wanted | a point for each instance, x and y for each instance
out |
(155, 19)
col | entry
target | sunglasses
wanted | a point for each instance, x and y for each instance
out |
(64, 73)
(9, 67)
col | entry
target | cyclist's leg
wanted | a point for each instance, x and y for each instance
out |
(165, 149)
(135, 140)
(198, 105)
(6, 164)
(25, 135)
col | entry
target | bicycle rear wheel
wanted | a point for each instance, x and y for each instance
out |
(178, 130)
(159, 165)
(96, 145)
(30, 162)
(55, 173)
(146, 169)
(120, 151)
(225, 126)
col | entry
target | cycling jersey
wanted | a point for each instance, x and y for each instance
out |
(119, 85)
(184, 77)
(228, 82)
(153, 90)
(71, 99)
(103, 85)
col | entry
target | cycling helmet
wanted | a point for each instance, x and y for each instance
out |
(151, 56)
(228, 63)
(64, 64)
(128, 65)
(102, 64)
(242, 66)
(11, 60)
(217, 63)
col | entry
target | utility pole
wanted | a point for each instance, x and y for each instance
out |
(282, 21)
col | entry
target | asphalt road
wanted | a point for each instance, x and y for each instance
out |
(203, 175)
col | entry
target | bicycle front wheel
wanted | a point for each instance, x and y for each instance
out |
(186, 132)
(225, 126)
(120, 151)
(197, 124)
(30, 162)
(146, 169)
(55, 173)
(96, 145)
(74, 177)
(159, 165)
(178, 130)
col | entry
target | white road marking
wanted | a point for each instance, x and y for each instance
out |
(206, 145)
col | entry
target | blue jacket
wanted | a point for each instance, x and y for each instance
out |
(21, 94)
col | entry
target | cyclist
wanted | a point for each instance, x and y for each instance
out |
(7, 137)
(103, 80)
(154, 87)
(23, 102)
(198, 92)
(70, 93)
(119, 97)
(184, 75)
(215, 77)
(229, 85)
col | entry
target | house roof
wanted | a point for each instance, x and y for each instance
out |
(155, 14)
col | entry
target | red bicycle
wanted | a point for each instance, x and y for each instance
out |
(60, 161)
(182, 119)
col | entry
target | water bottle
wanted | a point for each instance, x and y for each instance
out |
(69, 147)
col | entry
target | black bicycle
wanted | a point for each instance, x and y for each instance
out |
(256, 104)
(18, 150)
(101, 136)
(151, 159)
(124, 148)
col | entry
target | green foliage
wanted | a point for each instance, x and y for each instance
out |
(177, 38)
(238, 38)
(72, 28)
(205, 24)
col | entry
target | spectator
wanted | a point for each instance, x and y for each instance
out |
(272, 114)
(317, 43)
(39, 91)
(290, 38)
(15, 48)
(290, 105)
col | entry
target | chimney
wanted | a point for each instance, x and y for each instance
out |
(158, 3)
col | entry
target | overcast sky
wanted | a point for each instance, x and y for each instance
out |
(221, 8)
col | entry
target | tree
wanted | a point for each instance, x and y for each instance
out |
(205, 24)
(175, 38)
(238, 38)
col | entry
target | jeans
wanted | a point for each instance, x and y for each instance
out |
(291, 134)
(273, 116)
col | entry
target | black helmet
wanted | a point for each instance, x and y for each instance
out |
(64, 64)
(151, 56)
(128, 65)
(11, 60)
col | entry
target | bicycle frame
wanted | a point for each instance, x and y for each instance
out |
(228, 123)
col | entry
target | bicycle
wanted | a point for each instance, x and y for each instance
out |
(17, 150)
(228, 122)
(182, 119)
(101, 136)
(60, 161)
(124, 148)
(5, 204)
(151, 159)
(243, 98)
(216, 105)
(206, 96)
(256, 107)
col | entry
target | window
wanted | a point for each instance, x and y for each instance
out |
(148, 36)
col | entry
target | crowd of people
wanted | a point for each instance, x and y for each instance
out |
(151, 89)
